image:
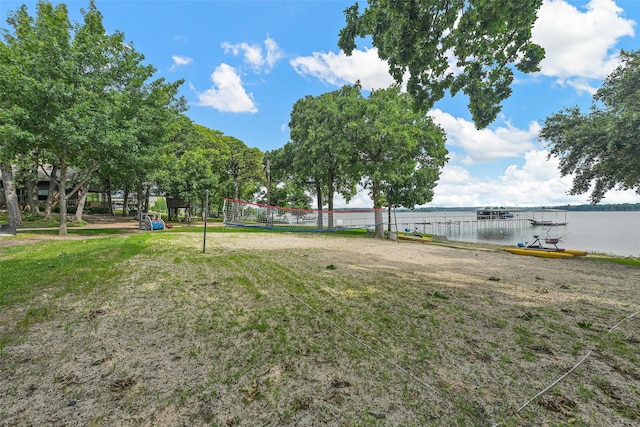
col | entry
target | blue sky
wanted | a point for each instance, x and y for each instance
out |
(245, 63)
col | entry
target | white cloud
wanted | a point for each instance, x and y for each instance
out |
(536, 183)
(360, 200)
(581, 86)
(340, 69)
(579, 44)
(485, 145)
(363, 65)
(179, 61)
(253, 54)
(274, 53)
(227, 93)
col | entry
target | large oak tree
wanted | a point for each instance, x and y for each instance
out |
(601, 148)
(400, 152)
(341, 138)
(323, 129)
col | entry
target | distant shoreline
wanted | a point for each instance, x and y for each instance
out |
(614, 207)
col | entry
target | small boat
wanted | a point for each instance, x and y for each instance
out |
(539, 250)
(413, 236)
(546, 252)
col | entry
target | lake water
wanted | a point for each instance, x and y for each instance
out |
(615, 233)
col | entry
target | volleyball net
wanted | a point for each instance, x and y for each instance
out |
(240, 213)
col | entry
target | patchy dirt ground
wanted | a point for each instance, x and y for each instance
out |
(309, 330)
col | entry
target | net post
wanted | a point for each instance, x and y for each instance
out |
(206, 214)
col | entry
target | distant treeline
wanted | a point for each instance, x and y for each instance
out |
(603, 207)
(607, 207)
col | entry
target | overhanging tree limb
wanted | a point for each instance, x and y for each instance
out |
(601, 148)
(455, 45)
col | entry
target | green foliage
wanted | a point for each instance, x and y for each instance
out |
(400, 151)
(198, 159)
(77, 97)
(340, 139)
(321, 152)
(160, 205)
(81, 98)
(600, 149)
(420, 37)
(244, 169)
(100, 210)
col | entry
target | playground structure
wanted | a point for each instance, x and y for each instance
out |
(151, 222)
(174, 204)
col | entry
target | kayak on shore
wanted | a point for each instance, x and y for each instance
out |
(414, 237)
(539, 250)
(546, 252)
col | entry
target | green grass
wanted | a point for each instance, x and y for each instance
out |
(231, 313)
(72, 231)
(63, 267)
(37, 221)
(632, 262)
(199, 228)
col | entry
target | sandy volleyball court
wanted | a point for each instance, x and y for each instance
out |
(308, 329)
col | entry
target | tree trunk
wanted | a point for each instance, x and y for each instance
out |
(32, 185)
(125, 200)
(32, 195)
(379, 220)
(147, 194)
(107, 190)
(330, 191)
(319, 198)
(378, 215)
(62, 199)
(84, 191)
(51, 193)
(236, 185)
(140, 197)
(10, 194)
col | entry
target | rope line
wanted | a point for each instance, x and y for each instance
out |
(406, 371)
(576, 365)
(301, 229)
(343, 330)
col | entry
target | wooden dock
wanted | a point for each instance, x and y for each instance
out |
(441, 226)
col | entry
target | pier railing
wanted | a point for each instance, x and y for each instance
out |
(439, 225)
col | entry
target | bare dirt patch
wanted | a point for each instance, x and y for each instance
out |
(280, 329)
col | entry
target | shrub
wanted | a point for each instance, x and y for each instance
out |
(99, 210)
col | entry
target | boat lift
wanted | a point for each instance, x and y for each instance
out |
(559, 217)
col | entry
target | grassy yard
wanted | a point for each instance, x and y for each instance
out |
(275, 329)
